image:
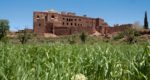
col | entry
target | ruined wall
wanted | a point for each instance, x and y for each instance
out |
(119, 28)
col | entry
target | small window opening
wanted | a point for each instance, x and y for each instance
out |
(63, 23)
(75, 24)
(52, 16)
(38, 16)
(45, 18)
(39, 25)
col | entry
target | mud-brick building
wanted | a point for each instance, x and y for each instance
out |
(65, 23)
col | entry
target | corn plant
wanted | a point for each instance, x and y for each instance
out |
(56, 61)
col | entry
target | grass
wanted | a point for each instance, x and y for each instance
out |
(56, 61)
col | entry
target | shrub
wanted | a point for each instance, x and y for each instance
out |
(4, 39)
(129, 35)
(83, 37)
(132, 32)
(71, 39)
(24, 37)
(130, 39)
(118, 36)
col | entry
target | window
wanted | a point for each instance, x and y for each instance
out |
(71, 24)
(39, 24)
(63, 18)
(69, 19)
(75, 24)
(79, 19)
(63, 23)
(45, 18)
(38, 16)
(52, 16)
(100, 27)
(75, 19)
(67, 24)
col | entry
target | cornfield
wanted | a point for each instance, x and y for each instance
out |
(56, 61)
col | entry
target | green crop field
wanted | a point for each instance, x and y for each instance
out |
(57, 61)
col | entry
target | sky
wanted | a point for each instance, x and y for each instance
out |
(20, 12)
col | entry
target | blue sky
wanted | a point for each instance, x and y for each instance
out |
(20, 12)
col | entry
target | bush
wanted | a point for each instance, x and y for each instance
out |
(130, 39)
(83, 37)
(132, 32)
(71, 39)
(120, 35)
(129, 35)
(24, 37)
(4, 39)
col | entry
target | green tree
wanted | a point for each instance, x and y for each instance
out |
(4, 27)
(145, 21)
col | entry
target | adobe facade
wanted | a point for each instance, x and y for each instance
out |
(66, 23)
